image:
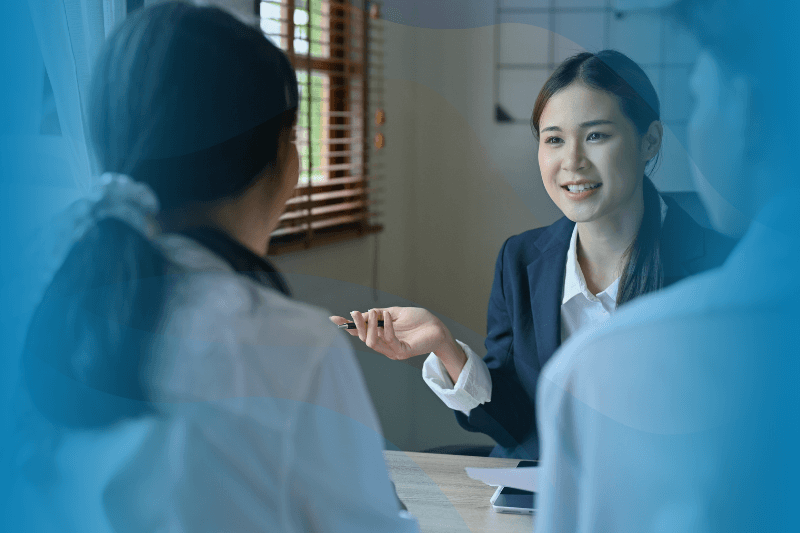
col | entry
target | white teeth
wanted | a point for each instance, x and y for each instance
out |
(582, 187)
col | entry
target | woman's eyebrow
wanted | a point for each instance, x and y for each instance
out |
(587, 124)
(598, 122)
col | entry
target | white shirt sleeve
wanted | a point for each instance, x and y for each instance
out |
(474, 385)
(338, 480)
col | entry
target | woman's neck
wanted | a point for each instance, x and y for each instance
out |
(245, 218)
(249, 227)
(602, 245)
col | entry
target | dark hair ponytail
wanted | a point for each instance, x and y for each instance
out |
(617, 74)
(88, 340)
(644, 271)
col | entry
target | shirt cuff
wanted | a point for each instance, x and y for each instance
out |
(474, 385)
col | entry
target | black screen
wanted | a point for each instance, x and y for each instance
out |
(515, 498)
(521, 499)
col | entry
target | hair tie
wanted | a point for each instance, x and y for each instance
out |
(129, 201)
(116, 196)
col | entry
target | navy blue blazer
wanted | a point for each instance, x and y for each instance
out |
(524, 318)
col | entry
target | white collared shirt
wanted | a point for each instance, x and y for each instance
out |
(580, 309)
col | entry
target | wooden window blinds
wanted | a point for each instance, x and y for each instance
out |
(335, 47)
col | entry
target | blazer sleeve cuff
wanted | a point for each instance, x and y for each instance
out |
(474, 385)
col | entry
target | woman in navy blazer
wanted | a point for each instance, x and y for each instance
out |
(597, 122)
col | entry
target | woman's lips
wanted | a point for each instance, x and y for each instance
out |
(581, 191)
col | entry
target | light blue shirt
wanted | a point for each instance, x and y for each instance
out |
(680, 412)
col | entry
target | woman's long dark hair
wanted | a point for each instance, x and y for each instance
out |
(615, 73)
(192, 102)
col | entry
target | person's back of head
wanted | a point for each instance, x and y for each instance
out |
(745, 87)
(191, 102)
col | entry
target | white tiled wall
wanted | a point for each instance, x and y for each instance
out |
(578, 31)
(638, 36)
(533, 36)
(579, 3)
(524, 4)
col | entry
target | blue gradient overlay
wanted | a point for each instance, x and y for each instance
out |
(733, 441)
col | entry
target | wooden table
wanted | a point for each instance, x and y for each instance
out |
(439, 493)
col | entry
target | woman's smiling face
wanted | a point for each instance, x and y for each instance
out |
(591, 157)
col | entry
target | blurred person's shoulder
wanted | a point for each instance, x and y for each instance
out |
(659, 354)
(205, 283)
(222, 320)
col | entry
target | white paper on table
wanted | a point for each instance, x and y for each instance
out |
(524, 478)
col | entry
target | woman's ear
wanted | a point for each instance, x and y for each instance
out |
(651, 140)
(288, 163)
(278, 180)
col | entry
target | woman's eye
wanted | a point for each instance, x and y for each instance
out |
(552, 140)
(597, 136)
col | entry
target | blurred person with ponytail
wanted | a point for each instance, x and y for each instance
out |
(175, 383)
(597, 121)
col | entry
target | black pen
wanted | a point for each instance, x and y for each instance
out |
(352, 325)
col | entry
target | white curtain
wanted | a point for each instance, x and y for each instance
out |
(71, 33)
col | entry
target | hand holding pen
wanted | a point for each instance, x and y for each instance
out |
(352, 325)
(406, 332)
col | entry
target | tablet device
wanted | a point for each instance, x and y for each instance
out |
(508, 500)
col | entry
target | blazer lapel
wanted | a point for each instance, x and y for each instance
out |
(546, 279)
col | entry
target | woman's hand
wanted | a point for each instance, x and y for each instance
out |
(407, 332)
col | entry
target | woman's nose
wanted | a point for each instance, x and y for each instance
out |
(574, 158)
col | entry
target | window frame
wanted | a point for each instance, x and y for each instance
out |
(347, 176)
